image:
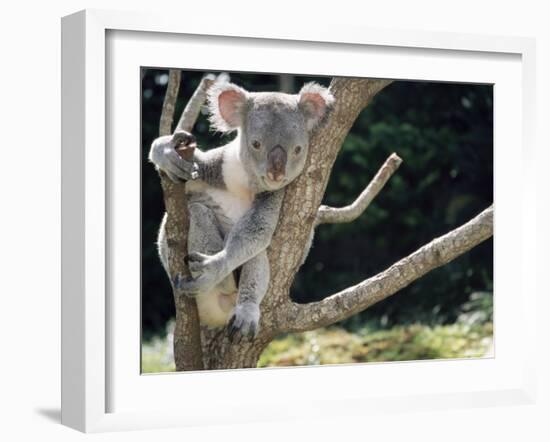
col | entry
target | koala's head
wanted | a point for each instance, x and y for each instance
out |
(274, 128)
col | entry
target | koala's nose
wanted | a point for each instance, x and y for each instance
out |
(276, 163)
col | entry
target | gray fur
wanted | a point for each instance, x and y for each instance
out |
(206, 236)
(210, 167)
(223, 223)
(270, 149)
(249, 236)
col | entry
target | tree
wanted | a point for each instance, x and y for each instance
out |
(196, 347)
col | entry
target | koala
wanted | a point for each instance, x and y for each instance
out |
(235, 193)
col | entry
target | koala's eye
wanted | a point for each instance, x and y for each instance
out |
(297, 149)
(256, 144)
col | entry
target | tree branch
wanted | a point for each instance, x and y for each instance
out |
(342, 305)
(187, 340)
(191, 112)
(169, 104)
(332, 215)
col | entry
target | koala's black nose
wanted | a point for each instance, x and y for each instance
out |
(276, 163)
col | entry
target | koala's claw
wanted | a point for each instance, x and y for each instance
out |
(207, 271)
(188, 285)
(196, 262)
(243, 323)
(183, 137)
(197, 282)
(235, 333)
(180, 283)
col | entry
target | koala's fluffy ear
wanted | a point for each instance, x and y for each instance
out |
(315, 102)
(227, 105)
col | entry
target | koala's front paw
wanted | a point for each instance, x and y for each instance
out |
(244, 321)
(166, 158)
(181, 282)
(206, 273)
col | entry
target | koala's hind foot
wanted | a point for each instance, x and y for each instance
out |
(244, 321)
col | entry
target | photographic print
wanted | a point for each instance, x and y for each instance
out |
(292, 220)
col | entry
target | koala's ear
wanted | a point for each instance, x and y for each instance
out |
(315, 101)
(227, 105)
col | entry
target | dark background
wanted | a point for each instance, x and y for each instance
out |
(444, 134)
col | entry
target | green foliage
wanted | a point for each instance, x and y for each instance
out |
(157, 354)
(156, 358)
(413, 342)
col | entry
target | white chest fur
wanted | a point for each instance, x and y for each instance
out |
(237, 198)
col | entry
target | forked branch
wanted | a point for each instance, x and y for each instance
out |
(332, 215)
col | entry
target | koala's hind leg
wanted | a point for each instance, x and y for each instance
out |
(205, 236)
(253, 285)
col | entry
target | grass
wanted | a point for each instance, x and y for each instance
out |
(157, 355)
(415, 342)
(335, 345)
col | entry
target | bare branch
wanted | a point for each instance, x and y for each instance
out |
(332, 215)
(169, 104)
(191, 112)
(342, 305)
(376, 85)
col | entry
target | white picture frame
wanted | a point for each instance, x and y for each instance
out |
(90, 355)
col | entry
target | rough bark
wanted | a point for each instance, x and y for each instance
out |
(332, 215)
(187, 343)
(301, 211)
(169, 103)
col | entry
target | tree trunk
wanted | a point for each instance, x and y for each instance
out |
(219, 353)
